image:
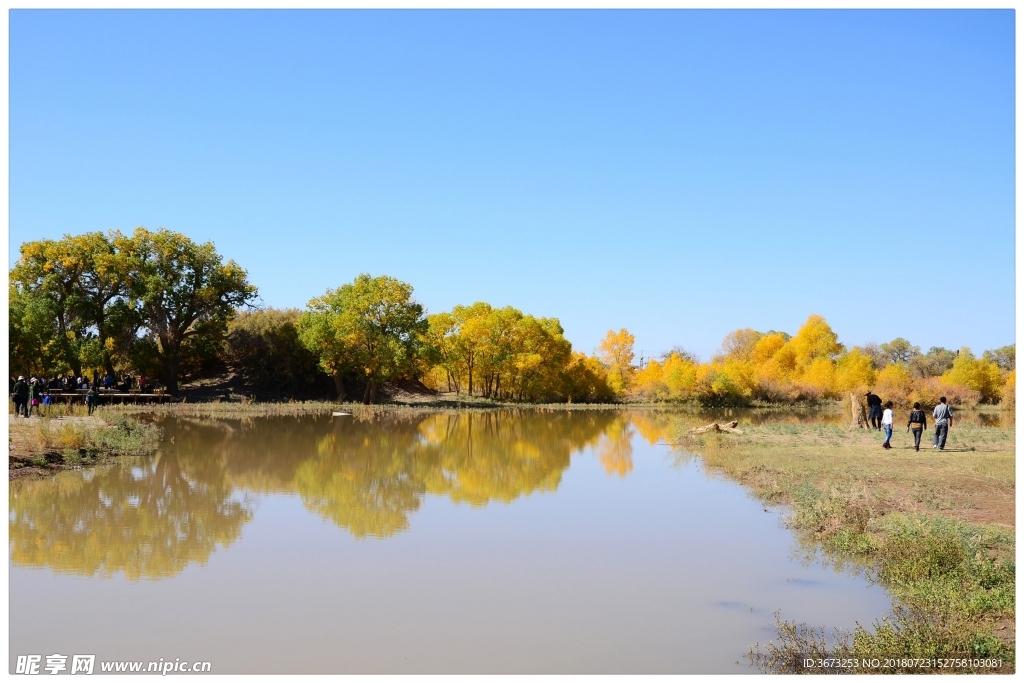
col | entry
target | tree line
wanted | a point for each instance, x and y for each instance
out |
(157, 303)
(813, 365)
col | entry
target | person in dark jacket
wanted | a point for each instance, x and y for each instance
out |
(916, 424)
(21, 397)
(92, 399)
(874, 410)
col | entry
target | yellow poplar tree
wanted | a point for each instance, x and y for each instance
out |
(616, 352)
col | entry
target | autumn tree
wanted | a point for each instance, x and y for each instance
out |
(372, 325)
(739, 344)
(1005, 357)
(182, 290)
(616, 352)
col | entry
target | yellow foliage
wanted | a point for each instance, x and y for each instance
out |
(650, 381)
(820, 376)
(766, 348)
(894, 383)
(739, 344)
(616, 352)
(815, 340)
(1009, 391)
(854, 372)
(735, 378)
(976, 374)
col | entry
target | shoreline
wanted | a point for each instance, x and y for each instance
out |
(944, 553)
(41, 446)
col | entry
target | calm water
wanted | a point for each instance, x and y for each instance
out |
(499, 542)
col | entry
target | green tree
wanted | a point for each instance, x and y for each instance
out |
(263, 345)
(372, 324)
(53, 269)
(35, 343)
(932, 364)
(899, 350)
(182, 290)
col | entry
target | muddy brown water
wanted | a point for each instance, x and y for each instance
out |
(488, 543)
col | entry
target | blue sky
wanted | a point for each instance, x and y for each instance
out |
(678, 173)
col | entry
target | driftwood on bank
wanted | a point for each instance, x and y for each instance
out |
(729, 427)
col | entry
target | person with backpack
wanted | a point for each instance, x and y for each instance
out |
(943, 415)
(874, 410)
(887, 425)
(916, 424)
(21, 397)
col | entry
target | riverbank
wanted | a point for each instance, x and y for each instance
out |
(936, 529)
(39, 446)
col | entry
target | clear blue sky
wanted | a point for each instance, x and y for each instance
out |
(678, 173)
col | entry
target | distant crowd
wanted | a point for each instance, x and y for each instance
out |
(37, 393)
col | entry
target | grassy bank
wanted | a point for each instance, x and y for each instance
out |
(936, 529)
(42, 445)
(237, 409)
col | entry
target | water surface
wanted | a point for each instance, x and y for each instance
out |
(493, 542)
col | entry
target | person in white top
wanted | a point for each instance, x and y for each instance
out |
(887, 424)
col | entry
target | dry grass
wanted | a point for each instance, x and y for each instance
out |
(935, 528)
(37, 446)
(972, 480)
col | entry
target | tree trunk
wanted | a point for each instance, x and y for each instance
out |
(339, 386)
(108, 362)
(171, 374)
(367, 393)
(858, 416)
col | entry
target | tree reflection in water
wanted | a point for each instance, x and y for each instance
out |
(153, 518)
(150, 520)
(368, 477)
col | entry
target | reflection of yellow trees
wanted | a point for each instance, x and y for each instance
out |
(149, 521)
(652, 426)
(368, 477)
(153, 519)
(363, 477)
(616, 451)
(499, 455)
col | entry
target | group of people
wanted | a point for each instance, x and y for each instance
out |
(35, 393)
(916, 423)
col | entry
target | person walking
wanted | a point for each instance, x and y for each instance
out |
(874, 410)
(916, 424)
(943, 415)
(21, 397)
(887, 425)
(33, 397)
(92, 399)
